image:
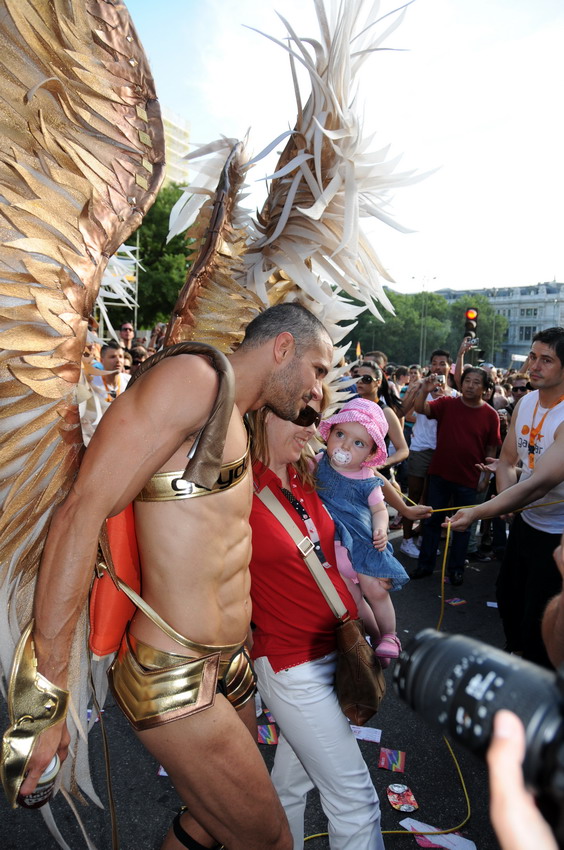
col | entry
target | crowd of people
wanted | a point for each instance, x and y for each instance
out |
(473, 431)
(445, 436)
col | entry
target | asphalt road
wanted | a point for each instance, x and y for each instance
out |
(146, 802)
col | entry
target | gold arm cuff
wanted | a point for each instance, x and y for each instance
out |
(34, 705)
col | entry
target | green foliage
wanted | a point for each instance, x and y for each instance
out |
(164, 266)
(423, 322)
(403, 336)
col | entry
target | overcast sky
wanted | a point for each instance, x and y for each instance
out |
(475, 92)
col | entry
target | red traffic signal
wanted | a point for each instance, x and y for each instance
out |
(471, 323)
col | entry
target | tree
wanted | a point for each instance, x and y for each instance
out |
(426, 321)
(421, 323)
(164, 266)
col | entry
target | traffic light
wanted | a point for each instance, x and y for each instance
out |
(471, 323)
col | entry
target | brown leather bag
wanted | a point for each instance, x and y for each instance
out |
(359, 680)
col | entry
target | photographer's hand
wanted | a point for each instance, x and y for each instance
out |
(517, 822)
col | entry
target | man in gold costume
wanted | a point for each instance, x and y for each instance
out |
(194, 556)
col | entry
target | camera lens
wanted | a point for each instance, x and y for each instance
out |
(458, 684)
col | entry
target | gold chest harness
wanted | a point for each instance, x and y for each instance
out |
(204, 472)
(169, 486)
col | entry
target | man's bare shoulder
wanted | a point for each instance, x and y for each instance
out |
(180, 369)
(186, 383)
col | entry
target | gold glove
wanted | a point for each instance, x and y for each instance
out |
(34, 704)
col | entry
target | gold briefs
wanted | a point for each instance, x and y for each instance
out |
(153, 687)
(168, 486)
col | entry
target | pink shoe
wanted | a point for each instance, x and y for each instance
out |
(389, 647)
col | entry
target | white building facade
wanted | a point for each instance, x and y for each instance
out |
(177, 145)
(528, 309)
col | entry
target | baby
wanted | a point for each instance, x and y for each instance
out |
(349, 487)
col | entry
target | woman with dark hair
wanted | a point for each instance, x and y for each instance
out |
(373, 386)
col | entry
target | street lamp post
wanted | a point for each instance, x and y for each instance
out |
(423, 327)
(424, 311)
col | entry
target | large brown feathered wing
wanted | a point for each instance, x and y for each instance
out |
(307, 243)
(81, 160)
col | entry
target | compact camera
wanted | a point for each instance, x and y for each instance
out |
(458, 683)
(441, 379)
(474, 342)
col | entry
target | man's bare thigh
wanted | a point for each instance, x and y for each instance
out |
(216, 767)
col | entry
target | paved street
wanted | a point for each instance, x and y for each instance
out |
(146, 802)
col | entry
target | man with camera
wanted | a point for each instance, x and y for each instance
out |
(423, 441)
(466, 426)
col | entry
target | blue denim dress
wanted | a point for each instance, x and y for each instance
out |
(347, 501)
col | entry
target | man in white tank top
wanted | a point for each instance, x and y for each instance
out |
(528, 576)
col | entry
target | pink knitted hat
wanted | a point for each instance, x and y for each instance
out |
(366, 413)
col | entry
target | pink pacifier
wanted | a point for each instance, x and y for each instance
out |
(341, 456)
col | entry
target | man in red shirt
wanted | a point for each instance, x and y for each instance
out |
(467, 428)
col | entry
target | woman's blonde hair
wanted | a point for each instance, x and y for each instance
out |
(259, 441)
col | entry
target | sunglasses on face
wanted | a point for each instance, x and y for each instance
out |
(127, 329)
(306, 417)
(519, 389)
(365, 379)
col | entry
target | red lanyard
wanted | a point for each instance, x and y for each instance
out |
(535, 432)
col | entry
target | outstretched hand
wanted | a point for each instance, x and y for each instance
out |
(415, 512)
(490, 465)
(461, 519)
(515, 817)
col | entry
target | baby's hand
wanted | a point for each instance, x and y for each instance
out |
(418, 511)
(380, 539)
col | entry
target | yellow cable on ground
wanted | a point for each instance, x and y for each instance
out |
(441, 831)
(443, 571)
(430, 832)
(466, 507)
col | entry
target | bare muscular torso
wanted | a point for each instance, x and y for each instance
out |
(194, 557)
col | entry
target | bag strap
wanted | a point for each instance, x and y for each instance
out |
(150, 612)
(307, 551)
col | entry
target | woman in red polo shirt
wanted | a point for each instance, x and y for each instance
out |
(294, 647)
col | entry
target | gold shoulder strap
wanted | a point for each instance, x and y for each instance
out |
(204, 465)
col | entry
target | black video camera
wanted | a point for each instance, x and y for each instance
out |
(458, 684)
